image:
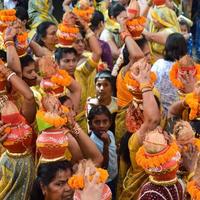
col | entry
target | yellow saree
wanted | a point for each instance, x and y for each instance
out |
(168, 19)
(39, 11)
(135, 176)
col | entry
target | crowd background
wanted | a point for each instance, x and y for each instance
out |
(100, 99)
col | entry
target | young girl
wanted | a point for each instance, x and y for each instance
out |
(104, 95)
(100, 121)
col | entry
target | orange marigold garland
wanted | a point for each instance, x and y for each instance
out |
(61, 78)
(135, 84)
(193, 102)
(173, 75)
(68, 29)
(157, 160)
(194, 190)
(85, 14)
(7, 17)
(22, 43)
(52, 118)
(136, 26)
(77, 181)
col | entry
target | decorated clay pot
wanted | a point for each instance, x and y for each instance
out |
(19, 139)
(50, 87)
(133, 10)
(52, 143)
(66, 38)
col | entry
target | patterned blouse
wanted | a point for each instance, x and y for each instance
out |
(168, 94)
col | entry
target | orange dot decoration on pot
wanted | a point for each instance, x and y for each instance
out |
(84, 10)
(19, 133)
(67, 30)
(52, 144)
(7, 18)
(135, 22)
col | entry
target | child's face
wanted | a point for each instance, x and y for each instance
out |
(184, 29)
(100, 124)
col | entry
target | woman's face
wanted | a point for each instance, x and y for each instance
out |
(79, 44)
(122, 15)
(103, 88)
(29, 74)
(58, 189)
(50, 38)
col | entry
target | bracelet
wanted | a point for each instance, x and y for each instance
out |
(124, 34)
(8, 43)
(190, 176)
(181, 94)
(143, 91)
(10, 75)
(145, 85)
(75, 131)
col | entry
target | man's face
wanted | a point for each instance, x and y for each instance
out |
(68, 63)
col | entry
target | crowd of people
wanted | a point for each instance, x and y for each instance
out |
(102, 103)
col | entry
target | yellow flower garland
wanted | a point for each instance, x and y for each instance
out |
(157, 160)
(193, 102)
(194, 190)
(77, 181)
(62, 78)
(173, 75)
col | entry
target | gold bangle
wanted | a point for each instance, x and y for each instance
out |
(190, 176)
(9, 43)
(181, 94)
(148, 90)
(145, 85)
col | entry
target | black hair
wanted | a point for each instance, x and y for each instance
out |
(97, 18)
(60, 52)
(64, 98)
(42, 32)
(98, 110)
(175, 47)
(183, 22)
(115, 9)
(141, 43)
(123, 149)
(45, 174)
(22, 3)
(104, 74)
(26, 60)
(21, 13)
